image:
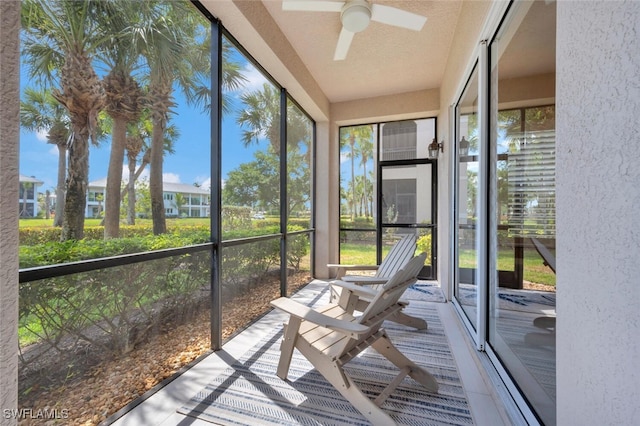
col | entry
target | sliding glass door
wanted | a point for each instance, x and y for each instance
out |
(522, 315)
(504, 205)
(467, 249)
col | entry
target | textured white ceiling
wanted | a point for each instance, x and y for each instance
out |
(382, 59)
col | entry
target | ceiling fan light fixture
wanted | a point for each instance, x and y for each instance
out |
(356, 15)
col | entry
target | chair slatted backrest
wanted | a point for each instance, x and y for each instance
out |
(391, 292)
(398, 256)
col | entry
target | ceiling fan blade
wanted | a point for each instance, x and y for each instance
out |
(312, 5)
(344, 41)
(397, 17)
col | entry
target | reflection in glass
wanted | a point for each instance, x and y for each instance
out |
(522, 308)
(467, 205)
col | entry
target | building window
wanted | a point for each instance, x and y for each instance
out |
(399, 140)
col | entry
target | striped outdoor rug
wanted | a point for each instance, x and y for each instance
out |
(428, 291)
(250, 393)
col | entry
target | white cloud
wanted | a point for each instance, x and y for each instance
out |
(53, 150)
(255, 79)
(143, 176)
(205, 183)
(344, 156)
(41, 135)
(171, 178)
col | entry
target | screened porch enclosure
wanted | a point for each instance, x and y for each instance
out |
(106, 318)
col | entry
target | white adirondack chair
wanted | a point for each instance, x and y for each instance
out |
(331, 336)
(398, 256)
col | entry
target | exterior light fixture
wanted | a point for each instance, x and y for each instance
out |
(434, 147)
(463, 147)
(356, 15)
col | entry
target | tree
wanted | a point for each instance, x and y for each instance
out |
(261, 115)
(172, 53)
(142, 206)
(60, 39)
(299, 138)
(255, 183)
(364, 150)
(178, 201)
(137, 141)
(350, 137)
(99, 199)
(260, 118)
(41, 112)
(123, 100)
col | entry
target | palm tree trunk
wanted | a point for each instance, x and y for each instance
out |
(131, 193)
(353, 179)
(155, 178)
(114, 179)
(62, 171)
(364, 188)
(77, 181)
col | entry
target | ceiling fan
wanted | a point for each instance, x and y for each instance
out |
(355, 16)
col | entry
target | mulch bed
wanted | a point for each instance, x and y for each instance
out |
(91, 395)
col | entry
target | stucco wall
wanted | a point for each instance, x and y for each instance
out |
(402, 106)
(598, 205)
(9, 131)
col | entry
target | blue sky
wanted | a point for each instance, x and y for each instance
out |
(189, 164)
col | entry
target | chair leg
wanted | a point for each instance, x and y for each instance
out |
(335, 374)
(404, 319)
(287, 346)
(384, 346)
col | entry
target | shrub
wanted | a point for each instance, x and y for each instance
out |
(126, 301)
(424, 245)
(235, 217)
(51, 253)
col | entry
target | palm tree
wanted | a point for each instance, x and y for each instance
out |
(60, 39)
(123, 100)
(172, 54)
(41, 112)
(365, 151)
(137, 137)
(261, 114)
(179, 200)
(352, 136)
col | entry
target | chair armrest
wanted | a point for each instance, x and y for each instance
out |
(354, 288)
(363, 280)
(342, 269)
(301, 311)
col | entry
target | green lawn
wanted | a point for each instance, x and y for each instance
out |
(534, 269)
